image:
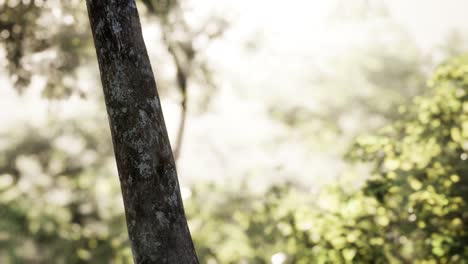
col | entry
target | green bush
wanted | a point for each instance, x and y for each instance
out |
(420, 171)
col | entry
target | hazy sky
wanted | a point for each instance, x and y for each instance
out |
(430, 20)
(290, 37)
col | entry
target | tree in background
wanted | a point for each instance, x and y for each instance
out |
(180, 39)
(49, 39)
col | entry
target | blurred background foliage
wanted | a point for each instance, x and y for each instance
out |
(359, 155)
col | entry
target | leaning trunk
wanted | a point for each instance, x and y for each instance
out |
(156, 221)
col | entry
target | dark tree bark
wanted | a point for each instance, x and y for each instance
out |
(154, 211)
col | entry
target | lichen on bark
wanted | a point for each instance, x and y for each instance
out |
(154, 210)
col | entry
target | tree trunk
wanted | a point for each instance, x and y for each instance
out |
(156, 221)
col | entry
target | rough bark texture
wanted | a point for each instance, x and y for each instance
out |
(154, 211)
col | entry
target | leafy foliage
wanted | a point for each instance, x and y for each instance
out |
(44, 38)
(284, 224)
(420, 170)
(59, 199)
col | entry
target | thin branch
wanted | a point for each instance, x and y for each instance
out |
(182, 75)
(180, 131)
